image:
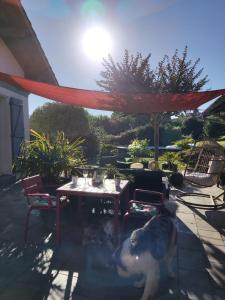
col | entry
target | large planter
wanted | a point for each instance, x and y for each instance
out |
(51, 186)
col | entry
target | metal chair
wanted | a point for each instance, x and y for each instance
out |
(143, 206)
(36, 198)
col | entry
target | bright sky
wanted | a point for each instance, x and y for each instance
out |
(148, 26)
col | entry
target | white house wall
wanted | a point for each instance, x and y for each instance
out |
(8, 64)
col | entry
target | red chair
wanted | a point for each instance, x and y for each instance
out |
(36, 198)
(144, 205)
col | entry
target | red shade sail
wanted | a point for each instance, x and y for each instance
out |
(130, 103)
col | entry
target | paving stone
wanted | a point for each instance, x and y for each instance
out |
(200, 215)
(186, 218)
(182, 295)
(215, 252)
(201, 224)
(184, 209)
(210, 234)
(197, 294)
(63, 285)
(217, 274)
(208, 240)
(219, 294)
(189, 242)
(188, 278)
(192, 260)
(187, 228)
(19, 291)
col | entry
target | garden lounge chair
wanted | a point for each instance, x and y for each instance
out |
(205, 166)
(36, 198)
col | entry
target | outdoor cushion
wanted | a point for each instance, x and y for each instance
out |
(215, 166)
(140, 209)
(137, 166)
(202, 178)
(40, 201)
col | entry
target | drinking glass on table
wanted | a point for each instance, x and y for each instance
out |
(85, 174)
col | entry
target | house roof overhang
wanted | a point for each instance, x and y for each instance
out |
(216, 108)
(17, 33)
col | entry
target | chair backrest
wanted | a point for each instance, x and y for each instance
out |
(151, 197)
(32, 185)
(216, 166)
(137, 166)
(145, 180)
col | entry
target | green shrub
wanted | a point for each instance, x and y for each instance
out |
(184, 143)
(167, 135)
(173, 158)
(139, 148)
(113, 172)
(108, 149)
(184, 156)
(193, 126)
(215, 127)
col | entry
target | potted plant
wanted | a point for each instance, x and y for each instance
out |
(49, 157)
(169, 161)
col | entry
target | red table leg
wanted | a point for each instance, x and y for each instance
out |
(127, 198)
(58, 233)
(116, 217)
(79, 209)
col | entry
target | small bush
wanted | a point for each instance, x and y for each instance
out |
(108, 149)
(139, 148)
(184, 143)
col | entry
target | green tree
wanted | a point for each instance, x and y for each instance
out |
(53, 117)
(135, 74)
(193, 126)
(214, 127)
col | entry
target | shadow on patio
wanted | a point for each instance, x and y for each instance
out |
(41, 270)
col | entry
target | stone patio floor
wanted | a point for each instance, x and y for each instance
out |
(41, 270)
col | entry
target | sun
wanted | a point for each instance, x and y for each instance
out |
(97, 43)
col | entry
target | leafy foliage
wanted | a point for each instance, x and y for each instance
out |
(113, 172)
(139, 148)
(193, 126)
(173, 159)
(49, 158)
(184, 143)
(215, 127)
(109, 149)
(179, 74)
(53, 117)
(134, 74)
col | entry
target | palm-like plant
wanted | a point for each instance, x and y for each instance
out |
(49, 158)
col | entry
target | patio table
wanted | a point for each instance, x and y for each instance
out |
(82, 189)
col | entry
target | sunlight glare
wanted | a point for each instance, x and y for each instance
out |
(97, 43)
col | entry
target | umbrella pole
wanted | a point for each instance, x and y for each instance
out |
(156, 136)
